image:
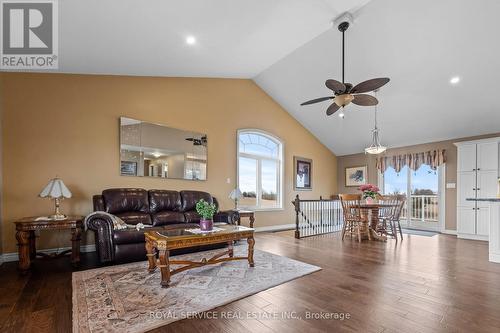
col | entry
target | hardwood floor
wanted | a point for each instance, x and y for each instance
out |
(423, 284)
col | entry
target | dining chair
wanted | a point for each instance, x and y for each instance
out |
(354, 222)
(390, 216)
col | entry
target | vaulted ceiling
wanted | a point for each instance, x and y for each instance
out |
(290, 48)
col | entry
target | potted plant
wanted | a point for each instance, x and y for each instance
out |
(207, 212)
(370, 192)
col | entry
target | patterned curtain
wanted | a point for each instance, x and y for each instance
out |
(433, 158)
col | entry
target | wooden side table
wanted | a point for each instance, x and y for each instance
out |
(249, 214)
(25, 235)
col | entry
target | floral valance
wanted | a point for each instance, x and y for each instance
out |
(433, 158)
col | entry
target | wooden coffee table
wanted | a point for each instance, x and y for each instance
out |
(162, 242)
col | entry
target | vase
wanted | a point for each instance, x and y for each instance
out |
(370, 200)
(206, 225)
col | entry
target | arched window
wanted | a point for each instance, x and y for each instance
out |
(260, 170)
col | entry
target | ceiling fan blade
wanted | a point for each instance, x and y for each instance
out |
(332, 109)
(369, 85)
(348, 88)
(365, 100)
(335, 85)
(317, 100)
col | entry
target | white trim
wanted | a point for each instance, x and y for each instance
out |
(462, 143)
(442, 197)
(449, 232)
(14, 256)
(280, 227)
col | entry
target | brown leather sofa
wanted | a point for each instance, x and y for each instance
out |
(160, 209)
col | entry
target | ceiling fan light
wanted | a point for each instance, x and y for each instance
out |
(343, 100)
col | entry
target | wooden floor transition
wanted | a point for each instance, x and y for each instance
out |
(423, 284)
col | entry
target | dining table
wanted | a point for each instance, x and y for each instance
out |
(370, 216)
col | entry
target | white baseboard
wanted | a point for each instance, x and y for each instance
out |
(14, 256)
(449, 232)
(280, 227)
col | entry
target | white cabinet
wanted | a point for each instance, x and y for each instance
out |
(477, 177)
(466, 188)
(487, 156)
(487, 184)
(466, 220)
(483, 221)
(467, 157)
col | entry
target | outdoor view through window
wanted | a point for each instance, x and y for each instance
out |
(259, 170)
(421, 189)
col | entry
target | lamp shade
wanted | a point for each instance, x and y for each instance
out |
(235, 194)
(55, 189)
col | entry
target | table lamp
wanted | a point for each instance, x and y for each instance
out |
(56, 190)
(235, 195)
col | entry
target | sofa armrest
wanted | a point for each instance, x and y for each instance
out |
(227, 216)
(102, 225)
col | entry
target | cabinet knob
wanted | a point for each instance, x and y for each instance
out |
(473, 169)
(478, 189)
(478, 169)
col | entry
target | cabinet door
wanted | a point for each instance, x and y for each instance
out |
(466, 188)
(487, 156)
(466, 220)
(487, 184)
(483, 221)
(467, 157)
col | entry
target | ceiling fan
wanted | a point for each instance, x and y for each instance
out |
(198, 142)
(345, 93)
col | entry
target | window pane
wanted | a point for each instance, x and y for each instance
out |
(248, 181)
(269, 174)
(395, 183)
(424, 181)
(254, 143)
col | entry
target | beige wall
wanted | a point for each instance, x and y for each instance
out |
(451, 170)
(67, 125)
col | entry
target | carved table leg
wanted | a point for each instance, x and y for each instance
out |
(252, 220)
(251, 243)
(164, 267)
(23, 242)
(230, 249)
(75, 246)
(374, 225)
(32, 245)
(151, 254)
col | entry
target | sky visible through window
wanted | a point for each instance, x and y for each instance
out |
(256, 144)
(423, 181)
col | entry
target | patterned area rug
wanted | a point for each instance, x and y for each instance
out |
(126, 298)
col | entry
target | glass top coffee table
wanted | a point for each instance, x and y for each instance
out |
(162, 242)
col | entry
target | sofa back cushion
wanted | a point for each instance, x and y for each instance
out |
(163, 200)
(124, 200)
(190, 198)
(167, 218)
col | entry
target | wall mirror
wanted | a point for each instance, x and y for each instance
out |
(152, 150)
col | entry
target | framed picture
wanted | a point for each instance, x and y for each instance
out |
(356, 176)
(128, 168)
(303, 173)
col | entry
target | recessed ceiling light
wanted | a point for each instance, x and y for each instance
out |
(455, 80)
(190, 40)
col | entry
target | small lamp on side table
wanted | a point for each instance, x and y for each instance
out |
(235, 195)
(56, 190)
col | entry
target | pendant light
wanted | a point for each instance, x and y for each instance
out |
(376, 147)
